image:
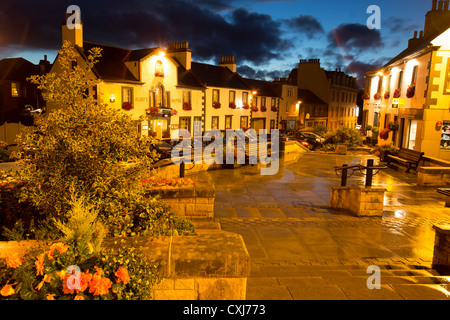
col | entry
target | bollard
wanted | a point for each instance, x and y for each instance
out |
(182, 164)
(344, 175)
(369, 173)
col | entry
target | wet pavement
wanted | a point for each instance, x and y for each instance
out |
(302, 249)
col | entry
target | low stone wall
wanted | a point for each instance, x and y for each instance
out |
(433, 176)
(211, 265)
(441, 253)
(191, 201)
(359, 201)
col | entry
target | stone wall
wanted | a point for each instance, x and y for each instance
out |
(441, 253)
(211, 265)
(191, 201)
(433, 176)
(359, 201)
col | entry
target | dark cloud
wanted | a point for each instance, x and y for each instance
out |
(306, 24)
(262, 74)
(249, 36)
(359, 69)
(354, 37)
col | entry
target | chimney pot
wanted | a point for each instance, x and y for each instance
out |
(415, 34)
(434, 5)
(446, 5)
(441, 5)
(421, 34)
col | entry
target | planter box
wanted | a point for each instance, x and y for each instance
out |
(433, 176)
(359, 201)
(192, 201)
(211, 265)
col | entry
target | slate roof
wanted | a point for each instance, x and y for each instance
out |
(17, 69)
(218, 76)
(263, 88)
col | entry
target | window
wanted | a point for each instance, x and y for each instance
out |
(244, 122)
(159, 69)
(445, 135)
(400, 79)
(187, 97)
(159, 96)
(151, 99)
(216, 96)
(272, 124)
(215, 122)
(414, 74)
(244, 97)
(289, 92)
(127, 95)
(198, 119)
(447, 79)
(167, 99)
(273, 103)
(228, 122)
(380, 84)
(388, 85)
(232, 96)
(263, 101)
(15, 89)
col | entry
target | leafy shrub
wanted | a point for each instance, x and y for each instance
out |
(344, 135)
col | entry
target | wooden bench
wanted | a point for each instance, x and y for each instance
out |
(445, 192)
(407, 157)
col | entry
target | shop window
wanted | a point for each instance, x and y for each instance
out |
(445, 135)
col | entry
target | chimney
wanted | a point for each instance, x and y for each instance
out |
(72, 29)
(44, 66)
(228, 61)
(181, 52)
(437, 20)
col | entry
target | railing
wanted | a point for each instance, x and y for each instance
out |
(347, 171)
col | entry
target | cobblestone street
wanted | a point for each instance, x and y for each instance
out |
(302, 249)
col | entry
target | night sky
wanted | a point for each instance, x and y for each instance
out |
(267, 37)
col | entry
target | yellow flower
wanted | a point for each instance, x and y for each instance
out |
(79, 297)
(50, 297)
(39, 286)
(7, 290)
(14, 260)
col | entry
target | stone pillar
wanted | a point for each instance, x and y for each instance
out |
(441, 253)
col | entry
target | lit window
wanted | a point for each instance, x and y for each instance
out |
(15, 88)
(159, 69)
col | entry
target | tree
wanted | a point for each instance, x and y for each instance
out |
(83, 147)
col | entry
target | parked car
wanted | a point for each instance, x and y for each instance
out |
(294, 138)
(162, 148)
(312, 140)
(318, 137)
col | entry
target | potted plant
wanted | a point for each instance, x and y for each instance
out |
(274, 108)
(365, 96)
(216, 104)
(232, 105)
(411, 90)
(127, 106)
(393, 126)
(255, 109)
(246, 105)
(384, 134)
(187, 106)
(397, 93)
(387, 95)
(263, 109)
(377, 96)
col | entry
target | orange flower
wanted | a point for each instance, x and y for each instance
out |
(50, 296)
(61, 247)
(84, 280)
(122, 275)
(7, 290)
(99, 285)
(14, 260)
(79, 297)
(39, 263)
